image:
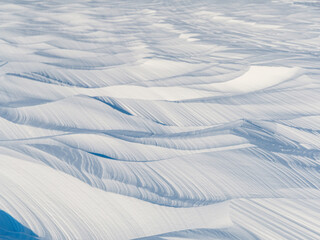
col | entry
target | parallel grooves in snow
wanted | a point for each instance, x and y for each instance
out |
(159, 119)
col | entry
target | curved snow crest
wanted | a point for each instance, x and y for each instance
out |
(97, 211)
(257, 78)
(159, 120)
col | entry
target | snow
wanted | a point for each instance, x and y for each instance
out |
(159, 119)
(257, 78)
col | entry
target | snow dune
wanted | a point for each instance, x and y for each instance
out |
(159, 120)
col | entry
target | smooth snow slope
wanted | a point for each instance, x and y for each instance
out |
(159, 119)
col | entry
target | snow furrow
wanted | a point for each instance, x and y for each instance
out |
(159, 119)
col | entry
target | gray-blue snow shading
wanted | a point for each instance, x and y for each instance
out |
(11, 229)
(160, 119)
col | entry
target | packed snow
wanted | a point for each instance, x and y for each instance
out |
(161, 119)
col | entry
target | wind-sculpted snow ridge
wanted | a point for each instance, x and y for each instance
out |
(159, 119)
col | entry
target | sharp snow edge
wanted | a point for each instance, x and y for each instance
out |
(159, 120)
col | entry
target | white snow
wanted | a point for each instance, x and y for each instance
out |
(159, 119)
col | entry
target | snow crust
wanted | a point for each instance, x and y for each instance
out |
(159, 119)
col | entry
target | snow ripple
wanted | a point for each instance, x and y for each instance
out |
(159, 120)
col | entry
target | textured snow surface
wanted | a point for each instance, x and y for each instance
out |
(159, 119)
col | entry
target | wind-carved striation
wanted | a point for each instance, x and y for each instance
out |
(159, 120)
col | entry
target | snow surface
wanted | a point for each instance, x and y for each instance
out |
(159, 119)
